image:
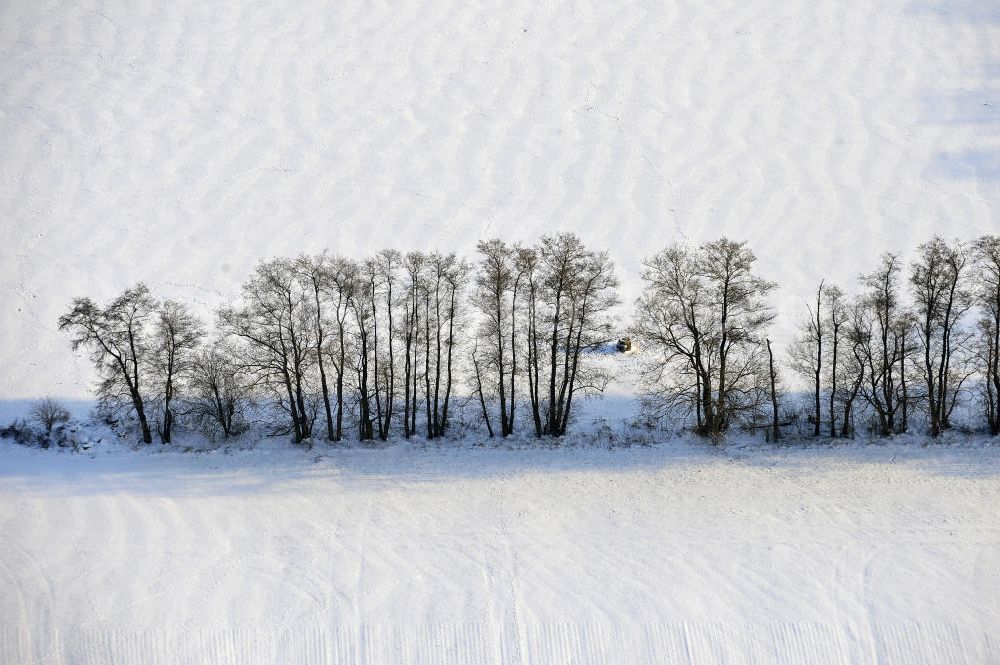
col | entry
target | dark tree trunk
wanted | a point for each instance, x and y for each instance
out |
(775, 427)
(819, 359)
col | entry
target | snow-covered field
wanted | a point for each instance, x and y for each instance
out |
(179, 142)
(675, 553)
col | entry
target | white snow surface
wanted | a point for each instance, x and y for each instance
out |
(414, 553)
(179, 142)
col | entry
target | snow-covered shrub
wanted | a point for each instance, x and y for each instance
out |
(20, 432)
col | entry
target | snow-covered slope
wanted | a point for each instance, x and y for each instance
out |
(178, 142)
(675, 553)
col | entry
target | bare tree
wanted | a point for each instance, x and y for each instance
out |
(807, 353)
(850, 324)
(837, 321)
(341, 286)
(116, 336)
(364, 306)
(570, 292)
(375, 306)
(941, 299)
(442, 292)
(387, 263)
(219, 393)
(773, 383)
(817, 353)
(704, 312)
(47, 412)
(673, 320)
(315, 274)
(276, 320)
(987, 257)
(528, 265)
(884, 331)
(413, 266)
(176, 335)
(498, 283)
(738, 297)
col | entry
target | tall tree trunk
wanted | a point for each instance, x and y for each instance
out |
(427, 364)
(929, 373)
(292, 408)
(408, 322)
(339, 435)
(379, 415)
(168, 416)
(437, 358)
(482, 400)
(904, 404)
(391, 387)
(833, 380)
(513, 354)
(416, 365)
(140, 411)
(775, 427)
(501, 383)
(448, 376)
(550, 424)
(819, 358)
(720, 407)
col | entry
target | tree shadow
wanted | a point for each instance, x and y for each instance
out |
(603, 443)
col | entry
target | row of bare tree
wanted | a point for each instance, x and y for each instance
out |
(704, 315)
(903, 357)
(374, 346)
(398, 342)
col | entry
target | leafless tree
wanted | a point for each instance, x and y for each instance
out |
(852, 331)
(387, 265)
(219, 393)
(817, 353)
(413, 267)
(807, 353)
(569, 293)
(704, 312)
(48, 412)
(315, 274)
(837, 316)
(673, 322)
(884, 328)
(364, 307)
(773, 384)
(941, 299)
(176, 335)
(117, 338)
(444, 304)
(341, 284)
(987, 294)
(498, 284)
(375, 308)
(276, 319)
